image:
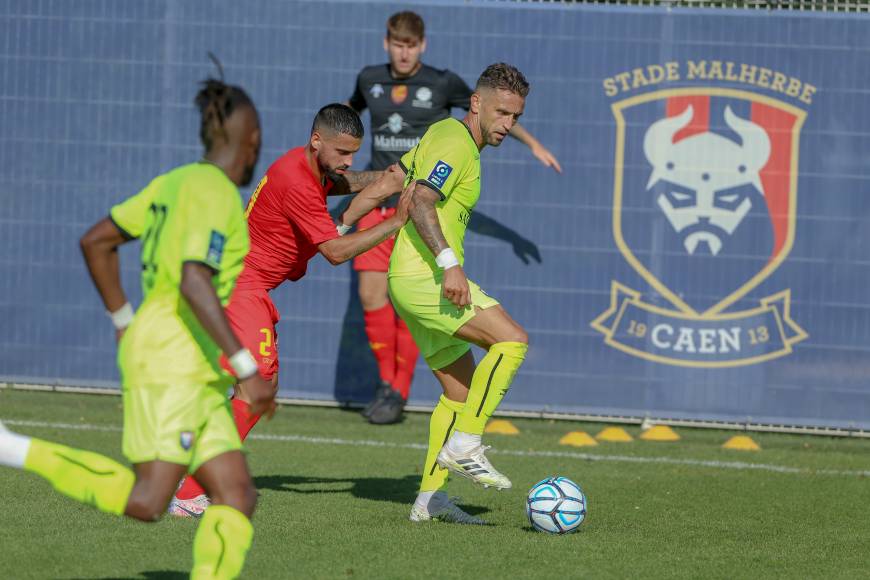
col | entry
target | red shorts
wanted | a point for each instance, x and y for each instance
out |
(253, 317)
(378, 258)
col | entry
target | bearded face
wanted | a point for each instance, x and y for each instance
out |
(705, 184)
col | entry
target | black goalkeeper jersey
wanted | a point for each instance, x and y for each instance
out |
(402, 109)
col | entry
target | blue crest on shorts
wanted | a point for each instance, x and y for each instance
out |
(439, 174)
(186, 440)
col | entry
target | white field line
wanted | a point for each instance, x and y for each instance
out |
(733, 465)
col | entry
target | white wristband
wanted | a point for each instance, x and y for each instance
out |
(446, 259)
(244, 364)
(122, 317)
(342, 229)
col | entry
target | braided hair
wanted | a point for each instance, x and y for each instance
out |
(216, 101)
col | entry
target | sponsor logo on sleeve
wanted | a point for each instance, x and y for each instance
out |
(215, 247)
(439, 174)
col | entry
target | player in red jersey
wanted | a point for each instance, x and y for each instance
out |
(288, 224)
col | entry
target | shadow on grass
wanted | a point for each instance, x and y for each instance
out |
(150, 575)
(397, 490)
(531, 530)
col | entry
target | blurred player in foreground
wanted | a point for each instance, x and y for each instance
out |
(404, 98)
(443, 309)
(289, 224)
(176, 414)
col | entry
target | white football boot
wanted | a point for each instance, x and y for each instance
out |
(473, 465)
(444, 509)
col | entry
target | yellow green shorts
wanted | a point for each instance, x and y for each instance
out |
(432, 319)
(188, 425)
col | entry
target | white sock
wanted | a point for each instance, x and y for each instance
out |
(13, 448)
(422, 501)
(461, 442)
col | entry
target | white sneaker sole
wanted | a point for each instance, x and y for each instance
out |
(420, 517)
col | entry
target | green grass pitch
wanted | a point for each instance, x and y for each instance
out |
(336, 493)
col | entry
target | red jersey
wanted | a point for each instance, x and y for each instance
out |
(287, 220)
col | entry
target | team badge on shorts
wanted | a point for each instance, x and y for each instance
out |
(439, 174)
(186, 440)
(705, 191)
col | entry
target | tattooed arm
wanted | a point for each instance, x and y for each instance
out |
(389, 182)
(343, 248)
(425, 218)
(354, 181)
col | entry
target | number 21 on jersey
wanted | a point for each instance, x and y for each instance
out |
(150, 243)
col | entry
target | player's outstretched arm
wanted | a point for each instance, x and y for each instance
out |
(343, 248)
(543, 155)
(99, 247)
(425, 218)
(354, 181)
(389, 183)
(196, 287)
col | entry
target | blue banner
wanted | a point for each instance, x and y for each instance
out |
(703, 254)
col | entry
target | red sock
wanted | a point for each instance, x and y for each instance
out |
(406, 358)
(381, 330)
(245, 421)
(190, 488)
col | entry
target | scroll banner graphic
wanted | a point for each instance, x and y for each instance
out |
(672, 337)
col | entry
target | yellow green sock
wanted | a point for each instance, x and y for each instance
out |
(90, 478)
(441, 425)
(221, 543)
(492, 379)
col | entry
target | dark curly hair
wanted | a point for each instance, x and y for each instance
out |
(216, 101)
(340, 119)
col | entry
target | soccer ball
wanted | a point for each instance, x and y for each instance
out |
(556, 505)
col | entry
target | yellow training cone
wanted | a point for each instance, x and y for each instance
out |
(660, 433)
(614, 435)
(501, 426)
(741, 443)
(578, 439)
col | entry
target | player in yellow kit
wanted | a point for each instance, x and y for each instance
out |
(445, 311)
(176, 413)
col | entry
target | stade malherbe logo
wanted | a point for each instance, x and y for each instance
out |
(704, 204)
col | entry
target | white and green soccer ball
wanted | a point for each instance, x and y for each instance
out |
(556, 505)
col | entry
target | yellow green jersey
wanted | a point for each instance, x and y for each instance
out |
(191, 214)
(446, 160)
